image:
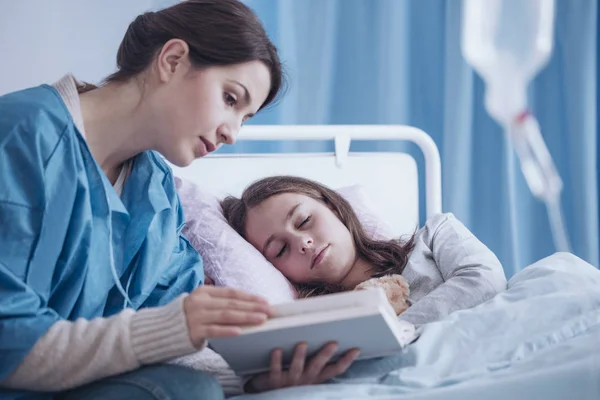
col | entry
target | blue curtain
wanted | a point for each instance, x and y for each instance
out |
(399, 62)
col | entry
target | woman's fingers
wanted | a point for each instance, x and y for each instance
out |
(217, 312)
(339, 367)
(231, 293)
(213, 297)
(217, 303)
(220, 323)
(218, 331)
(296, 371)
(232, 317)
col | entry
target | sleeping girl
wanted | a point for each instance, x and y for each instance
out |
(313, 236)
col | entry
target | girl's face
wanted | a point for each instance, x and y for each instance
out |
(302, 238)
(196, 111)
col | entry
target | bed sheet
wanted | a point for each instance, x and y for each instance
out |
(540, 339)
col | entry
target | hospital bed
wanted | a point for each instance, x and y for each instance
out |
(538, 340)
(391, 175)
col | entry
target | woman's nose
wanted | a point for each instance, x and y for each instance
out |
(226, 134)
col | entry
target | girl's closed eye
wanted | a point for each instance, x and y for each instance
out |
(281, 251)
(304, 221)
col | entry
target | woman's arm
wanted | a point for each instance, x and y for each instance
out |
(472, 273)
(39, 350)
(72, 353)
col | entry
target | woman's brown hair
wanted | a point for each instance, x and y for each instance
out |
(218, 33)
(387, 256)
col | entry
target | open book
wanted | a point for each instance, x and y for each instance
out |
(361, 319)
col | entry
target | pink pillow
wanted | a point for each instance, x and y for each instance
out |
(228, 258)
(231, 261)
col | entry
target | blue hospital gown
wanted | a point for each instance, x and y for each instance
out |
(56, 205)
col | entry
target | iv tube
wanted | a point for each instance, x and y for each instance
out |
(507, 42)
(540, 173)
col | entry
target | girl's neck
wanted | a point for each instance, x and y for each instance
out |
(360, 272)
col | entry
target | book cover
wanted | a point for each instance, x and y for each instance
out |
(361, 319)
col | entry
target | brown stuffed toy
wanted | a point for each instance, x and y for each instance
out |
(395, 287)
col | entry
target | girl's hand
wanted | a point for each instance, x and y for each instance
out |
(302, 373)
(213, 311)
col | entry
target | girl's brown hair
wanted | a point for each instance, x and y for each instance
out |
(387, 257)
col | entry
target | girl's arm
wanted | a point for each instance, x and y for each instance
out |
(472, 273)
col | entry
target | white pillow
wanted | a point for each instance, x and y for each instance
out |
(373, 223)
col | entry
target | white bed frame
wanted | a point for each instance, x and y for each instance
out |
(390, 179)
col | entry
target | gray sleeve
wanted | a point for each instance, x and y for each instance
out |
(471, 272)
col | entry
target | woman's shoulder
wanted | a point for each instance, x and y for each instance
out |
(33, 125)
(37, 112)
(33, 103)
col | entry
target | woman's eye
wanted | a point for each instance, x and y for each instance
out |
(281, 251)
(229, 99)
(304, 222)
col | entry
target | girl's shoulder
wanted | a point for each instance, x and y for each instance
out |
(442, 224)
(434, 222)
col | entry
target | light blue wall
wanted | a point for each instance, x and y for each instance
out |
(41, 40)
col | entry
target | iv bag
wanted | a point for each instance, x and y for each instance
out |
(507, 42)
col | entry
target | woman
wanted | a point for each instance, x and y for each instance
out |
(312, 235)
(93, 266)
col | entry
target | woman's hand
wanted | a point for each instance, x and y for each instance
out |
(213, 311)
(208, 280)
(302, 373)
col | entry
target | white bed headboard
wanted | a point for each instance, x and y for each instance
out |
(391, 179)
